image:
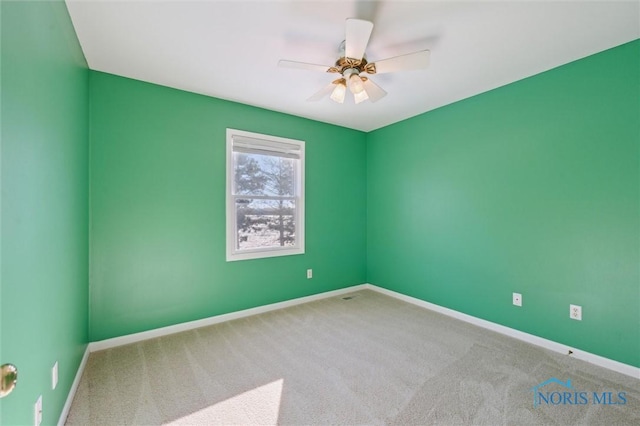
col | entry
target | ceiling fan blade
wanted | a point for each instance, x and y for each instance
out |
(322, 93)
(303, 66)
(410, 61)
(357, 37)
(374, 91)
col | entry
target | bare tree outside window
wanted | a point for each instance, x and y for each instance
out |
(266, 216)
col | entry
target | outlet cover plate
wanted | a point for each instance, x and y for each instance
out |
(37, 412)
(54, 376)
(517, 299)
(575, 312)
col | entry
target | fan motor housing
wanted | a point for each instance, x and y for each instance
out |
(343, 63)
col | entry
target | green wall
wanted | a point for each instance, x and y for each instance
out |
(158, 209)
(530, 188)
(44, 264)
(533, 188)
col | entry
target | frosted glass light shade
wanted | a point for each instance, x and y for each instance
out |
(359, 97)
(355, 84)
(338, 93)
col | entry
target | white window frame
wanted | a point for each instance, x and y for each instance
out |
(274, 143)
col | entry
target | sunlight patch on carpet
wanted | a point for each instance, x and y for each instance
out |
(259, 406)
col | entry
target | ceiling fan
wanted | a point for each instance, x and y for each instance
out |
(353, 66)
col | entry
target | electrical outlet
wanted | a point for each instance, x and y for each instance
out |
(575, 312)
(517, 299)
(309, 273)
(54, 375)
(37, 412)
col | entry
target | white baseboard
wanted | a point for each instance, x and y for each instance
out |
(74, 388)
(516, 334)
(598, 360)
(164, 331)
(610, 364)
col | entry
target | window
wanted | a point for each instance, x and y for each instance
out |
(265, 196)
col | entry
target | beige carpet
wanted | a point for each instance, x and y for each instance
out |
(370, 359)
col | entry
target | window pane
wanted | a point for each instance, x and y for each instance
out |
(265, 223)
(265, 175)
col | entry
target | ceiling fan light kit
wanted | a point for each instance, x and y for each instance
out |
(355, 83)
(360, 97)
(352, 63)
(340, 90)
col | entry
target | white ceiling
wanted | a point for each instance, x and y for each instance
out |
(230, 49)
